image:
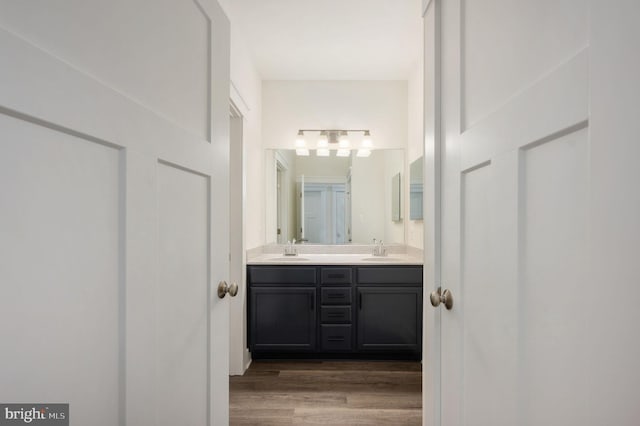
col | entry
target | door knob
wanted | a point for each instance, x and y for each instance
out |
(224, 288)
(438, 296)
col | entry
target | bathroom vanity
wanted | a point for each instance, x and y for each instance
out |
(335, 307)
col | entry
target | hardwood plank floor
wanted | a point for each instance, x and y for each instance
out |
(273, 393)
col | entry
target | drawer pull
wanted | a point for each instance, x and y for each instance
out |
(335, 338)
(335, 296)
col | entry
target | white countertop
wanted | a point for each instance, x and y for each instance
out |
(333, 259)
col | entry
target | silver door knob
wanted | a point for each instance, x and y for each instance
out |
(224, 288)
(438, 296)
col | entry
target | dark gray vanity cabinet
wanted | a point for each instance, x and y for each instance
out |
(335, 311)
(282, 309)
(390, 319)
(389, 309)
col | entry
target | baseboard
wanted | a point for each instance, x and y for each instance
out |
(247, 356)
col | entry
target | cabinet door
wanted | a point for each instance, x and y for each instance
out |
(283, 319)
(390, 319)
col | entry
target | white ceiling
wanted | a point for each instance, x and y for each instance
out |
(330, 39)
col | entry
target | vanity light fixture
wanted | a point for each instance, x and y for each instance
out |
(334, 139)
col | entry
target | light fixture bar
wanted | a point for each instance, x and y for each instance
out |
(330, 139)
(365, 131)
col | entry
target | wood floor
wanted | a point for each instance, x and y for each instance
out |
(327, 393)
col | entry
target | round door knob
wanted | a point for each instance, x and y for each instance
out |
(438, 296)
(224, 288)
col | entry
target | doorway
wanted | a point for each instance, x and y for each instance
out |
(325, 213)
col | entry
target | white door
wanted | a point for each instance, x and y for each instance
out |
(339, 210)
(114, 150)
(315, 207)
(540, 213)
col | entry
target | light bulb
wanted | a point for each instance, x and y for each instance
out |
(302, 152)
(362, 152)
(343, 153)
(366, 141)
(323, 141)
(300, 142)
(322, 152)
(343, 140)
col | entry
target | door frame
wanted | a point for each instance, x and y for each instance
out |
(432, 181)
(239, 356)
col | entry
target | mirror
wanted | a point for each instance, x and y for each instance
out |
(415, 189)
(334, 200)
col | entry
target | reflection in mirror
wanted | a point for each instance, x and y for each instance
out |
(333, 200)
(396, 187)
(415, 189)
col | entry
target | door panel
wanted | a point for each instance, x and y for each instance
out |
(487, 295)
(315, 216)
(508, 45)
(182, 296)
(554, 226)
(60, 263)
(172, 33)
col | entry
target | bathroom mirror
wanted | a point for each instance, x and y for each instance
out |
(333, 200)
(415, 189)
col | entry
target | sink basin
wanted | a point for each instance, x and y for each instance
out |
(381, 259)
(288, 258)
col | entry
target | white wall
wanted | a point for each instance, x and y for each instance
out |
(380, 106)
(415, 148)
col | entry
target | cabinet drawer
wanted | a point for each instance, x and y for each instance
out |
(333, 314)
(390, 275)
(335, 276)
(335, 337)
(336, 296)
(281, 275)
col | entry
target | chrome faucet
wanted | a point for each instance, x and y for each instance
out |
(378, 248)
(289, 249)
